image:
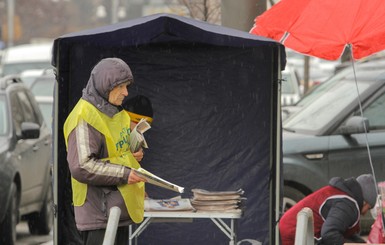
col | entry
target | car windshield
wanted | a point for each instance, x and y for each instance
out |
(330, 101)
(288, 83)
(321, 88)
(43, 87)
(16, 68)
(3, 116)
(46, 110)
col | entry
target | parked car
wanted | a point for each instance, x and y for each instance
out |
(30, 75)
(27, 56)
(1, 57)
(326, 136)
(42, 87)
(287, 110)
(291, 90)
(319, 69)
(25, 155)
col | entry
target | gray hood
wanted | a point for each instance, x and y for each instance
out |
(106, 75)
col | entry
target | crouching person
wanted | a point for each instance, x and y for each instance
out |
(337, 209)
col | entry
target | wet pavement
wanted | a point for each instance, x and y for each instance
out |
(25, 238)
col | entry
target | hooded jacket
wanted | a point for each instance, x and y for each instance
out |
(336, 211)
(89, 149)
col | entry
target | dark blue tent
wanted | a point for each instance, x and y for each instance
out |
(216, 125)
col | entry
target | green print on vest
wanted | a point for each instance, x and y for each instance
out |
(123, 143)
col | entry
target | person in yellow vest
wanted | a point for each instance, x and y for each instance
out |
(97, 139)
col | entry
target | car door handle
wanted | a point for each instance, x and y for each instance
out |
(315, 156)
(35, 148)
(46, 142)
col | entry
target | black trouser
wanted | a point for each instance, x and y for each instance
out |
(95, 237)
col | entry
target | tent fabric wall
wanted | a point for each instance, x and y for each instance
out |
(214, 93)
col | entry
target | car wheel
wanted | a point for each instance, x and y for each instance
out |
(41, 223)
(290, 197)
(8, 226)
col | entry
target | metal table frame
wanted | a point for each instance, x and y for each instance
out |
(180, 216)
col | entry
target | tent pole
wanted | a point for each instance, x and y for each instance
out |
(277, 196)
(278, 157)
(55, 173)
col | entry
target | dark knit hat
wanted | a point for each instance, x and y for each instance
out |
(368, 187)
(139, 107)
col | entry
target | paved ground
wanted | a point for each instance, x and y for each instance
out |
(25, 238)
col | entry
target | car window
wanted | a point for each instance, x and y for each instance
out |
(22, 110)
(28, 80)
(375, 113)
(46, 110)
(43, 87)
(3, 117)
(26, 107)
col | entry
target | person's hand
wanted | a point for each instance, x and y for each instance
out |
(138, 155)
(133, 178)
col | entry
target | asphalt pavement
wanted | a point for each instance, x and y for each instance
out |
(25, 238)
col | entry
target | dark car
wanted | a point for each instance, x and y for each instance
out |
(25, 155)
(287, 110)
(326, 136)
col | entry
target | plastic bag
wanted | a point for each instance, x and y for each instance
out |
(376, 235)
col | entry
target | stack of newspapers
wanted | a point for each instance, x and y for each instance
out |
(223, 201)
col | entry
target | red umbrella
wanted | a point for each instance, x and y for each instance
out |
(323, 28)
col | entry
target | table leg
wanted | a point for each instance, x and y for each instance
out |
(230, 232)
(138, 230)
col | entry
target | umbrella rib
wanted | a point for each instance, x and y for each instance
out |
(284, 37)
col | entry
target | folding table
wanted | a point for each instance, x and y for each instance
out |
(179, 216)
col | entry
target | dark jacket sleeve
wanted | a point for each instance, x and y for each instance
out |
(340, 215)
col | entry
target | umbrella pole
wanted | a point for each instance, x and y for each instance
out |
(306, 66)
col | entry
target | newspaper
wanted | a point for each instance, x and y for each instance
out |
(137, 139)
(217, 193)
(155, 180)
(216, 202)
(215, 207)
(172, 204)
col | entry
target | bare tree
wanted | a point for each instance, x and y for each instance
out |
(50, 19)
(206, 10)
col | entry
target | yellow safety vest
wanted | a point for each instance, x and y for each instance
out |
(116, 131)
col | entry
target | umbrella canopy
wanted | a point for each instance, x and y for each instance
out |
(323, 28)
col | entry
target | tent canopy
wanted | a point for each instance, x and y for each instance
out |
(214, 91)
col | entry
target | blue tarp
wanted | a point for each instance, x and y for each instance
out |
(214, 93)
